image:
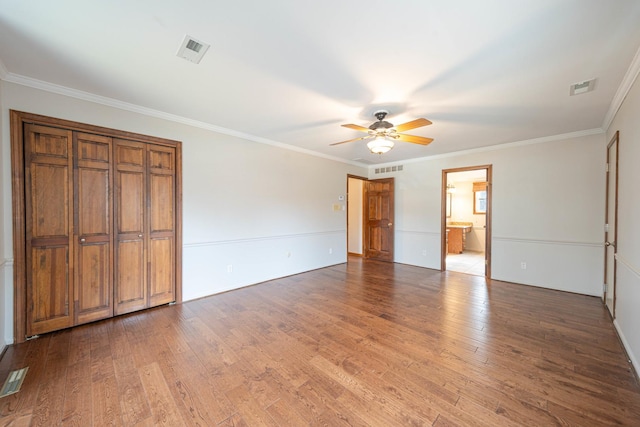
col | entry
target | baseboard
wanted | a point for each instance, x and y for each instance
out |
(627, 349)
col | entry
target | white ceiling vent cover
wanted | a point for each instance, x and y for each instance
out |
(582, 87)
(192, 49)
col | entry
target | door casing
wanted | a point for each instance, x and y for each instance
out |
(443, 215)
(611, 229)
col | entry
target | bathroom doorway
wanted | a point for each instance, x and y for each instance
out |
(466, 220)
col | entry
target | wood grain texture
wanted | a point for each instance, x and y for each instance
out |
(366, 343)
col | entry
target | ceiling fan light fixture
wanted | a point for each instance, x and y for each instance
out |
(380, 145)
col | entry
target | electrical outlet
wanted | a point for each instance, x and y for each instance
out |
(424, 252)
(229, 268)
(523, 265)
(330, 251)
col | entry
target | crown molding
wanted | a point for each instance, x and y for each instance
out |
(623, 90)
(111, 102)
(505, 146)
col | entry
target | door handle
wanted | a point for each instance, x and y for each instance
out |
(83, 240)
(610, 244)
(390, 224)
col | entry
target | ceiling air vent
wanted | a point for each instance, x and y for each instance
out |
(389, 169)
(582, 87)
(192, 49)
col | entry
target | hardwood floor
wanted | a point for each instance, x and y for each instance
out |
(363, 343)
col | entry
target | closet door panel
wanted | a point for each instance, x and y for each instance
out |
(48, 186)
(94, 290)
(94, 212)
(49, 291)
(131, 202)
(161, 271)
(131, 292)
(49, 207)
(130, 199)
(162, 219)
(161, 202)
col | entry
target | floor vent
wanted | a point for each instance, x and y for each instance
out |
(13, 382)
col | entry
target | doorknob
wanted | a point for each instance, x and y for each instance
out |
(83, 240)
(610, 244)
(390, 224)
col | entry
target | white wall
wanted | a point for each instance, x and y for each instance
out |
(355, 188)
(251, 212)
(548, 211)
(628, 247)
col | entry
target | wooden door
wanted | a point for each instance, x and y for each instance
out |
(378, 211)
(161, 224)
(48, 225)
(130, 205)
(610, 235)
(93, 286)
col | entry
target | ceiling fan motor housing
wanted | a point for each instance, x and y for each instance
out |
(381, 123)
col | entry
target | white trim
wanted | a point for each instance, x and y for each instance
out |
(263, 238)
(627, 347)
(548, 242)
(110, 102)
(542, 140)
(623, 90)
(628, 265)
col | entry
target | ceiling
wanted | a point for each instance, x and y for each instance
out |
(291, 72)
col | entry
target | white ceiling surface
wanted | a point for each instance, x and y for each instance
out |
(291, 72)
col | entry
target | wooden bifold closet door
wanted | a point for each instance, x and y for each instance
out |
(49, 216)
(93, 220)
(96, 223)
(145, 242)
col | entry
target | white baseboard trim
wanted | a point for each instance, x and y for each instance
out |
(627, 347)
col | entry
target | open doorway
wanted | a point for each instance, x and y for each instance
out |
(355, 227)
(466, 220)
(370, 213)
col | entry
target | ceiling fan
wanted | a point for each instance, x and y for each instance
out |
(383, 134)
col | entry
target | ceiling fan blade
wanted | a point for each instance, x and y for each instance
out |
(357, 127)
(412, 124)
(351, 140)
(415, 139)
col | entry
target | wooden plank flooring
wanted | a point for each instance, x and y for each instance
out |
(363, 343)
